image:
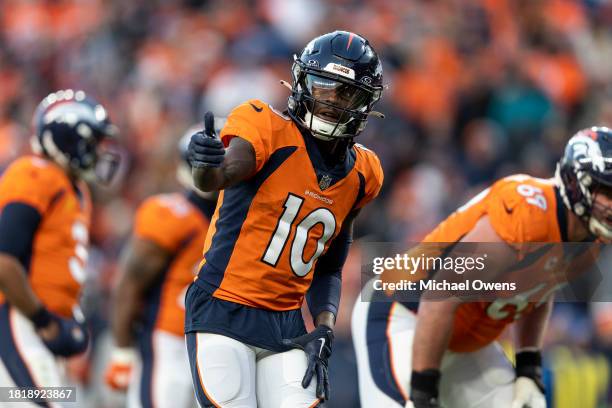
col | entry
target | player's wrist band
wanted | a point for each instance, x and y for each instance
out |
(328, 332)
(325, 327)
(529, 364)
(41, 318)
(528, 361)
(426, 381)
(123, 355)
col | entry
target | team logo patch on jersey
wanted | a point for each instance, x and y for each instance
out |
(324, 182)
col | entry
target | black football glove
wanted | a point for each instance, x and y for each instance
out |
(72, 338)
(205, 148)
(318, 347)
(424, 388)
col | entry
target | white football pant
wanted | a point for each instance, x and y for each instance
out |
(231, 374)
(480, 379)
(161, 378)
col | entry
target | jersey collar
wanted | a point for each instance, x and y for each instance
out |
(333, 173)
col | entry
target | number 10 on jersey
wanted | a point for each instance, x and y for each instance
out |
(282, 232)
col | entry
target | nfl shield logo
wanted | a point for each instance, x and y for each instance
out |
(324, 182)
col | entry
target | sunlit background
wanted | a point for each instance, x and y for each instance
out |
(477, 89)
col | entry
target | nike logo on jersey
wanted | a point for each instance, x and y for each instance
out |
(255, 107)
(508, 210)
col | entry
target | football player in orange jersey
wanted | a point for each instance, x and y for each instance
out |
(444, 352)
(45, 215)
(292, 184)
(149, 301)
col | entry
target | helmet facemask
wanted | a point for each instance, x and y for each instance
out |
(600, 220)
(107, 161)
(96, 160)
(331, 107)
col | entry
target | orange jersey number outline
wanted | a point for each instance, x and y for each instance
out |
(278, 241)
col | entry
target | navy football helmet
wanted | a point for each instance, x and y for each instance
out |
(336, 81)
(70, 128)
(584, 171)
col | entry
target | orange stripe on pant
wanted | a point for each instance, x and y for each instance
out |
(388, 334)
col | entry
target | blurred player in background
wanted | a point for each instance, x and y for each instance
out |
(292, 184)
(149, 301)
(45, 216)
(445, 354)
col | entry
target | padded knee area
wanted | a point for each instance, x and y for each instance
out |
(221, 371)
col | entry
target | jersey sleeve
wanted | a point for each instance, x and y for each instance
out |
(372, 173)
(161, 220)
(18, 225)
(516, 218)
(249, 122)
(31, 181)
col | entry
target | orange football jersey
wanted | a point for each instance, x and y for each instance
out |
(268, 231)
(59, 251)
(521, 209)
(174, 222)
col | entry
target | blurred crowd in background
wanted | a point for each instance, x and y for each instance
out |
(477, 89)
